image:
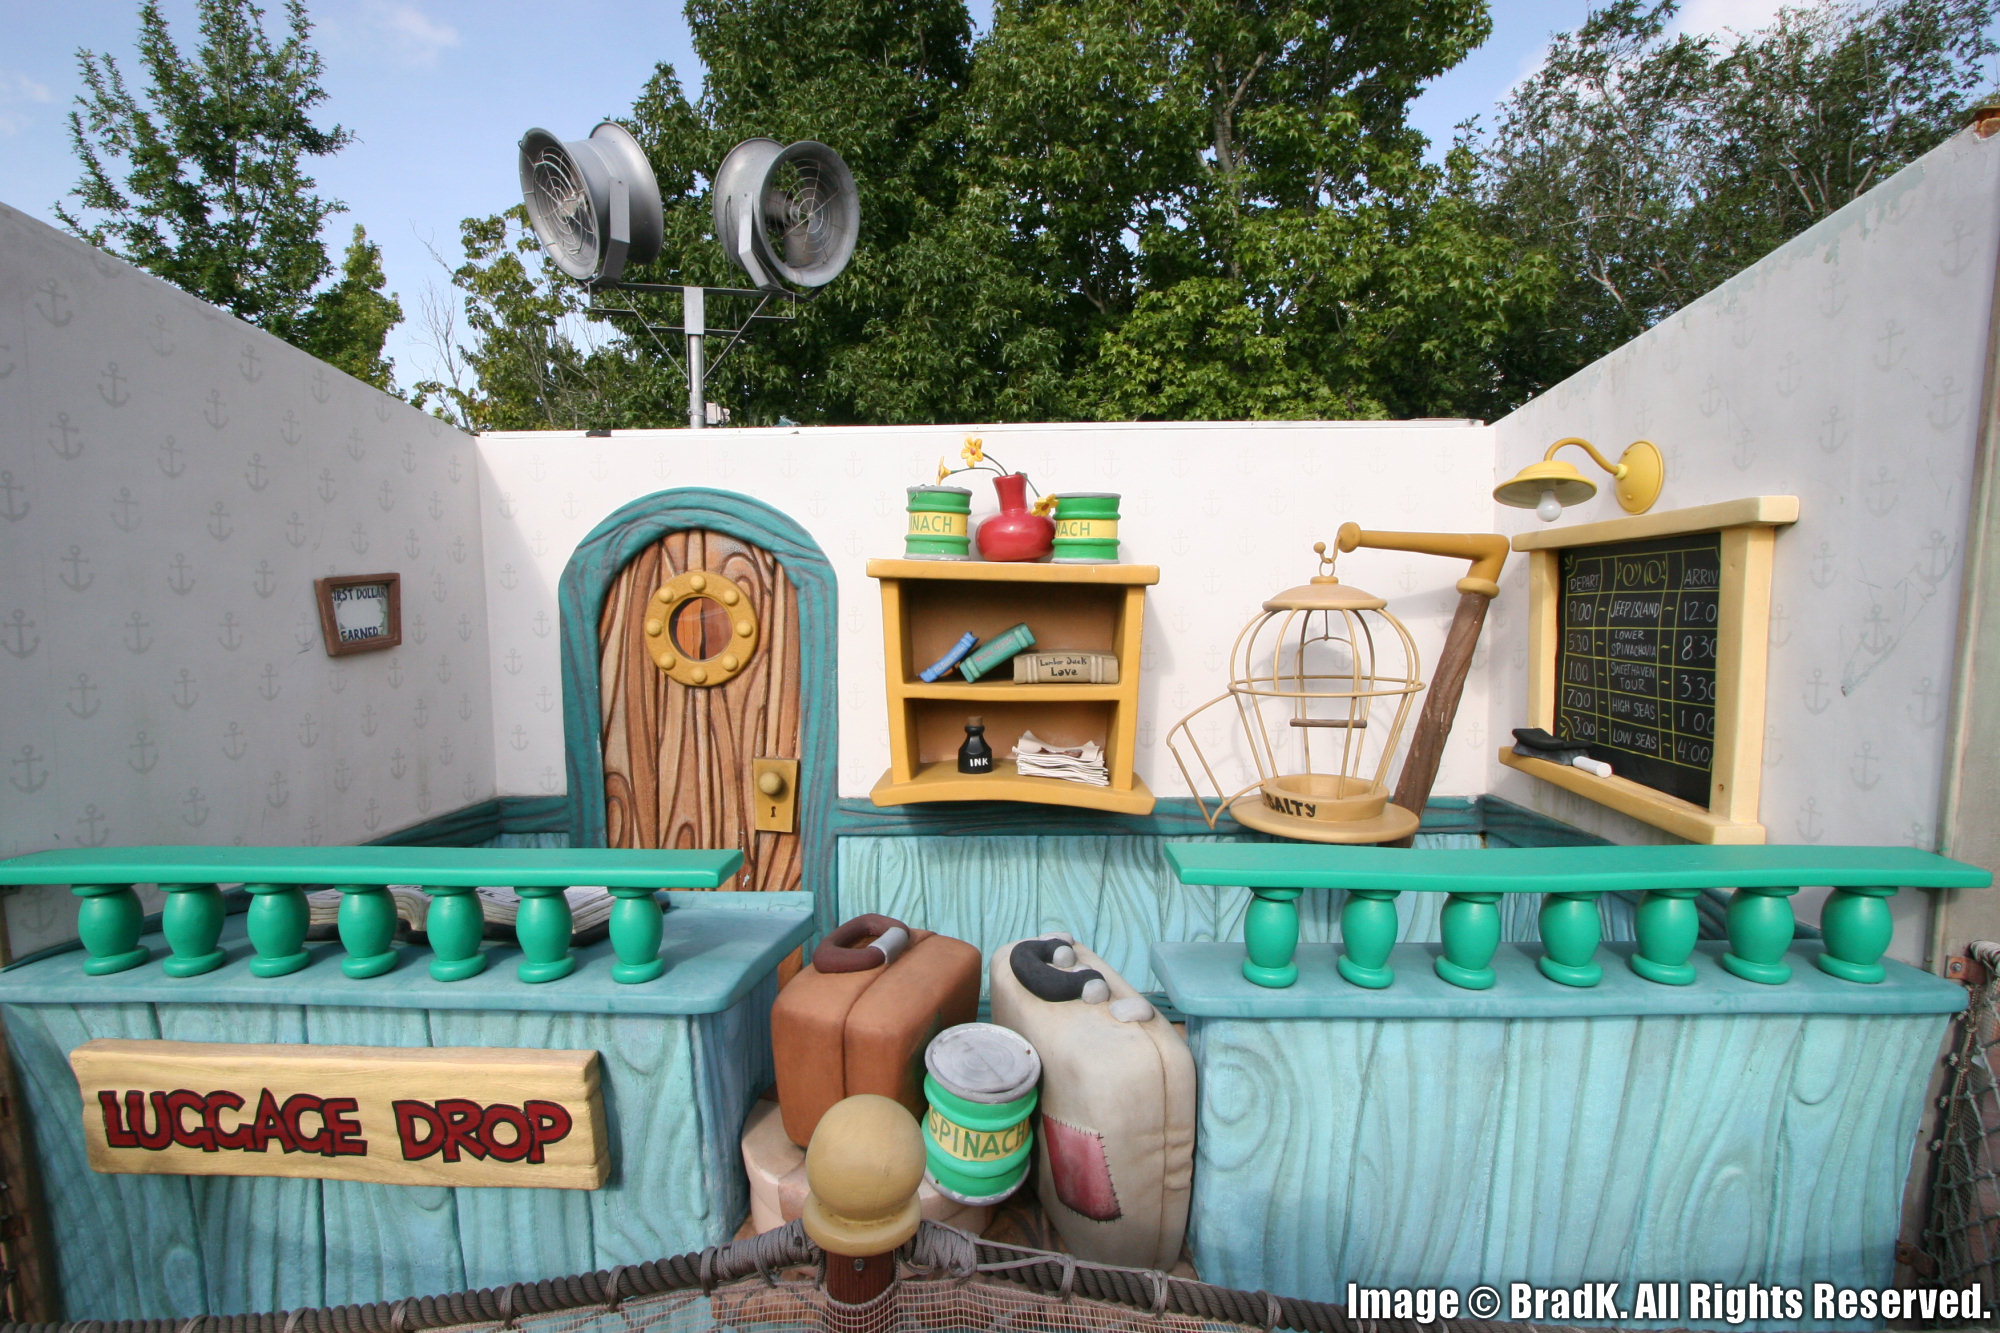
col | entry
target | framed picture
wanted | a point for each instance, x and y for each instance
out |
(359, 613)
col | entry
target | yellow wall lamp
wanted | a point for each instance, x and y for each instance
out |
(1549, 487)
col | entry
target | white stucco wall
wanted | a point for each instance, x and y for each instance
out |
(1846, 369)
(171, 482)
(1229, 512)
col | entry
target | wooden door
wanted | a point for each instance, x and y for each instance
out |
(677, 756)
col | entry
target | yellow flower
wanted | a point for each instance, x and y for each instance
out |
(943, 471)
(1046, 505)
(974, 452)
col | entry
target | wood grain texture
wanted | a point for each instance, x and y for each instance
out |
(732, 1065)
(648, 1069)
(260, 1237)
(1420, 765)
(125, 1246)
(675, 1091)
(372, 1081)
(677, 758)
(510, 1235)
(1112, 891)
(384, 1242)
(1767, 1148)
(582, 595)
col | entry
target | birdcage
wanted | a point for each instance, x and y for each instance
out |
(1323, 683)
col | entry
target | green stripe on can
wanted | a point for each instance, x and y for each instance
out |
(940, 523)
(1086, 528)
(976, 1152)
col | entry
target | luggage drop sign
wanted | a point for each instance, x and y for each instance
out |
(423, 1116)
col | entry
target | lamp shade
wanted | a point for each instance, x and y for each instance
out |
(1525, 491)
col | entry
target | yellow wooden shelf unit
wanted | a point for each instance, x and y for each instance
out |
(928, 604)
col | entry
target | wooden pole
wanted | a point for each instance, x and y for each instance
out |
(1420, 769)
(863, 1168)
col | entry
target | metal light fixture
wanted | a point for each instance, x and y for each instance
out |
(783, 214)
(1549, 487)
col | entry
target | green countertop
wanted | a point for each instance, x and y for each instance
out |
(1295, 865)
(717, 947)
(1206, 981)
(439, 866)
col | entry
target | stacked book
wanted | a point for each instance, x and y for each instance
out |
(589, 909)
(1066, 669)
(1036, 758)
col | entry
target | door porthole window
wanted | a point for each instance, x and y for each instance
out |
(700, 628)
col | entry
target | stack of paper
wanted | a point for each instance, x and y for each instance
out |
(323, 909)
(589, 906)
(589, 910)
(1036, 758)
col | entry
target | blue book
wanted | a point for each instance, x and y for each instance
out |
(951, 658)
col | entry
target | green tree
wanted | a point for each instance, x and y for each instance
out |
(200, 178)
(533, 362)
(347, 324)
(1648, 168)
(1102, 208)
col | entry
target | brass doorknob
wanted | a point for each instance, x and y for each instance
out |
(771, 784)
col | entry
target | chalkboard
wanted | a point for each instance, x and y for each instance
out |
(1636, 658)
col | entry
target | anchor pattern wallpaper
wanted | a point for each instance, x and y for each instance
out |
(1845, 369)
(1229, 512)
(171, 483)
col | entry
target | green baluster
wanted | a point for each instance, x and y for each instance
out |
(1368, 929)
(636, 931)
(1471, 925)
(276, 924)
(1571, 933)
(1667, 925)
(454, 925)
(1760, 930)
(1858, 927)
(1271, 937)
(367, 923)
(543, 928)
(108, 920)
(192, 923)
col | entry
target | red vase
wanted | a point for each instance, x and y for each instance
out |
(1016, 532)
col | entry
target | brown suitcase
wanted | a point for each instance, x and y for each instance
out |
(858, 1018)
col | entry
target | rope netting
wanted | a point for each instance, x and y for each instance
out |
(1962, 1234)
(947, 1281)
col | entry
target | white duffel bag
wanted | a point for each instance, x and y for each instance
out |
(1114, 1154)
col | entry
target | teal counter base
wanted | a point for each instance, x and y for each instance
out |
(681, 1065)
(1432, 1140)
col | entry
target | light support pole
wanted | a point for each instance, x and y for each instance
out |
(694, 321)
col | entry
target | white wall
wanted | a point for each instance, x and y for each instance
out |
(171, 482)
(1846, 368)
(1228, 512)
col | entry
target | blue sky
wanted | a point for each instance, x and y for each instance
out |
(439, 91)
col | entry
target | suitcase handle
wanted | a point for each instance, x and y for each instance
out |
(837, 952)
(1034, 967)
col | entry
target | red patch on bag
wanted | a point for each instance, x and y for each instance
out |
(1082, 1175)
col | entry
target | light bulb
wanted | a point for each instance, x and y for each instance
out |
(1550, 509)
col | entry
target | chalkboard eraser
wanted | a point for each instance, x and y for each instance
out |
(1593, 766)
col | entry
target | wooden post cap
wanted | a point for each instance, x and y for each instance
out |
(863, 1167)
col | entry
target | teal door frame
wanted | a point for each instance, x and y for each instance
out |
(586, 582)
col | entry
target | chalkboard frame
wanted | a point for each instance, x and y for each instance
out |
(1747, 538)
